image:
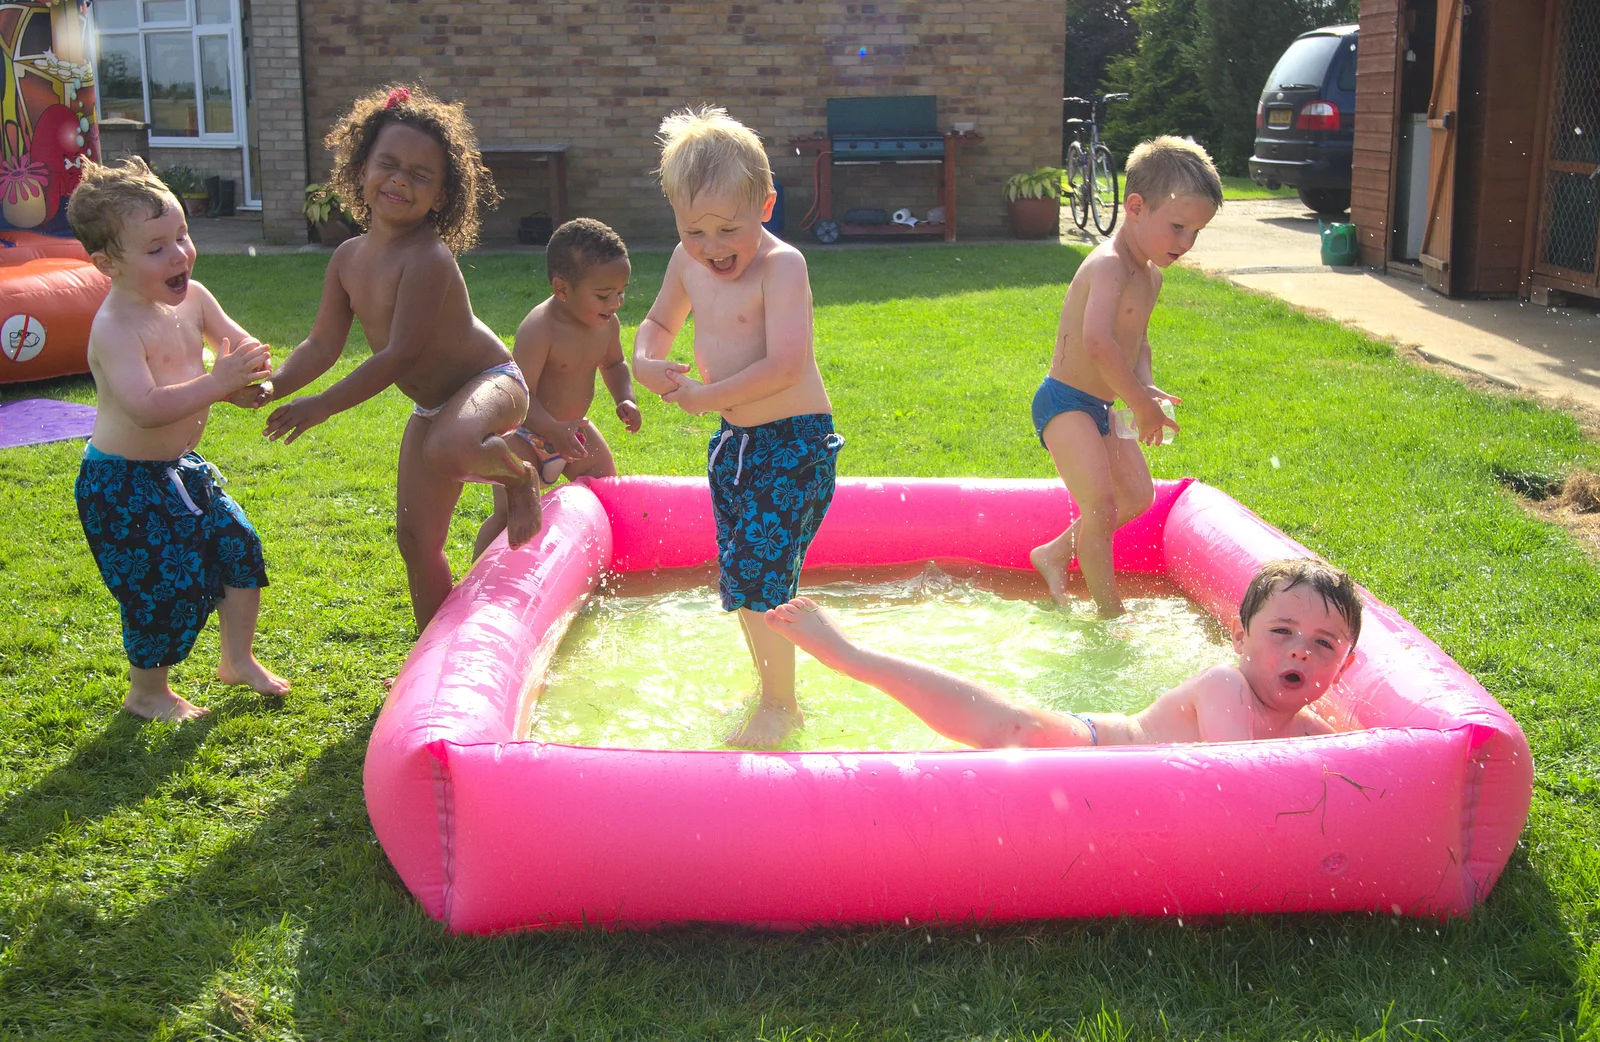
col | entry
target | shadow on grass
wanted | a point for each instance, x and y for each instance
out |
(114, 769)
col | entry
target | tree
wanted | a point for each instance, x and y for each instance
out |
(1097, 32)
(1199, 67)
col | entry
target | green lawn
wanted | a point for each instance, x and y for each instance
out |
(220, 879)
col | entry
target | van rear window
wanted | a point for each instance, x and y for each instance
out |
(1347, 67)
(1305, 63)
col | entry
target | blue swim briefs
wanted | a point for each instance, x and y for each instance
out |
(167, 541)
(770, 487)
(1054, 398)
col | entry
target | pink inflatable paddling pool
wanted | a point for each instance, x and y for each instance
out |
(1413, 810)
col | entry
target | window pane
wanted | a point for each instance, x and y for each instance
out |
(116, 14)
(118, 78)
(166, 10)
(216, 84)
(170, 59)
(213, 12)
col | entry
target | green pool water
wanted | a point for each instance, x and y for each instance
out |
(667, 668)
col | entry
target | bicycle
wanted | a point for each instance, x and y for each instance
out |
(1091, 172)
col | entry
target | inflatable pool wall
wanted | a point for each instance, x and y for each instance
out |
(1414, 813)
(49, 291)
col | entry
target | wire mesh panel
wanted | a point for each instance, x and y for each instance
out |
(1570, 221)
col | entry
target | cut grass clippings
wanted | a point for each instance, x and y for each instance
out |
(220, 879)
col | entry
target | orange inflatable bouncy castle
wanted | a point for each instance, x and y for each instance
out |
(49, 291)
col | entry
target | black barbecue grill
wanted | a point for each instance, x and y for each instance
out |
(869, 131)
(885, 130)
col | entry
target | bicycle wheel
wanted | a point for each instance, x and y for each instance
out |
(1105, 192)
(1077, 167)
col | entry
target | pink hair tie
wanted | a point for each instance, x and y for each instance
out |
(398, 96)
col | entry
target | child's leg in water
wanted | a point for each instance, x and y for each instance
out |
(960, 709)
(1082, 459)
(777, 713)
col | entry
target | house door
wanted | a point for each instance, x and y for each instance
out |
(1443, 118)
(1569, 212)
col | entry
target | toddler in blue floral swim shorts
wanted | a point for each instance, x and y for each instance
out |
(170, 544)
(771, 464)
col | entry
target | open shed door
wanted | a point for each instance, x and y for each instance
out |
(1443, 120)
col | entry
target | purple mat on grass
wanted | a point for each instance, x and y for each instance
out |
(34, 421)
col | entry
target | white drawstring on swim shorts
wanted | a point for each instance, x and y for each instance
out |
(744, 440)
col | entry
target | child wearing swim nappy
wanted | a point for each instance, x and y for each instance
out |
(771, 465)
(170, 544)
(409, 167)
(1102, 352)
(1296, 634)
(567, 338)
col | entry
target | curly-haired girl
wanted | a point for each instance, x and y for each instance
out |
(408, 165)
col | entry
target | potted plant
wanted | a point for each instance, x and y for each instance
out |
(1033, 202)
(187, 184)
(326, 212)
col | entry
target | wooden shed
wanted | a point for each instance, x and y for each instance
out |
(1477, 144)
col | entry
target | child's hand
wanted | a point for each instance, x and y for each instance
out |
(1159, 393)
(687, 395)
(290, 421)
(566, 443)
(1147, 413)
(252, 397)
(654, 374)
(628, 413)
(239, 367)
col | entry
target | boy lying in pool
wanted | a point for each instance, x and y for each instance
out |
(1296, 634)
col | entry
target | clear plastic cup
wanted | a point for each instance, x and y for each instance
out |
(1123, 425)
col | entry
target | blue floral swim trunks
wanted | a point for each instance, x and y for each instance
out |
(167, 540)
(770, 487)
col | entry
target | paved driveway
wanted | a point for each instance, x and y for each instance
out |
(1274, 245)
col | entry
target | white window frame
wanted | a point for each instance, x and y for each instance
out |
(231, 29)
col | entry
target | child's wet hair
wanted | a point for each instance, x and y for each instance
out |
(1335, 587)
(108, 196)
(704, 149)
(467, 184)
(578, 246)
(1166, 167)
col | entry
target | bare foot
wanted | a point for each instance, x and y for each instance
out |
(524, 517)
(767, 727)
(804, 624)
(1054, 571)
(255, 676)
(163, 704)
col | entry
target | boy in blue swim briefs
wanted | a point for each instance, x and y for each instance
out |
(772, 462)
(1103, 352)
(170, 544)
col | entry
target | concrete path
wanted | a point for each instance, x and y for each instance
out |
(1274, 246)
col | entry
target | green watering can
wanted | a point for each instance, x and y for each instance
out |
(1338, 243)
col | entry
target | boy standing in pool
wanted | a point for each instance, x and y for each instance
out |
(1296, 634)
(772, 463)
(561, 344)
(170, 544)
(1103, 352)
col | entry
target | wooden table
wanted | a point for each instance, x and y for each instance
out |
(553, 154)
(947, 188)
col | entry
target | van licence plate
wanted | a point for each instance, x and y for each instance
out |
(1278, 119)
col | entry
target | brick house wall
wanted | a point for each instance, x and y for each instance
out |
(602, 74)
(276, 67)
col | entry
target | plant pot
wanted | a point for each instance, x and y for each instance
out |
(332, 231)
(1035, 218)
(196, 205)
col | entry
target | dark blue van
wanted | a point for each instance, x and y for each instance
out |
(1305, 121)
